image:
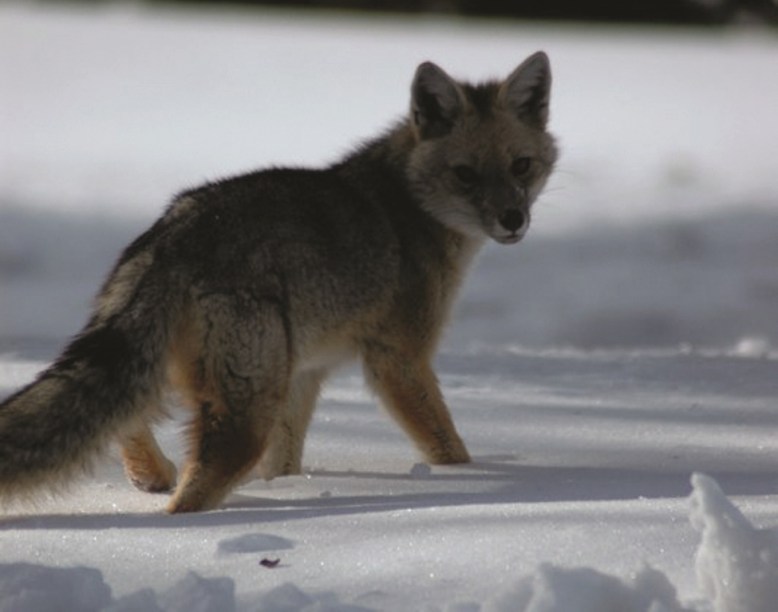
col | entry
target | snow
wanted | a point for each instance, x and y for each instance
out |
(628, 346)
(736, 565)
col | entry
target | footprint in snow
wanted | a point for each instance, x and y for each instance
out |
(253, 543)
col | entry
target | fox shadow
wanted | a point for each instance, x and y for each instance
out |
(506, 483)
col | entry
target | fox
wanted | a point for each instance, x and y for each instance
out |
(249, 291)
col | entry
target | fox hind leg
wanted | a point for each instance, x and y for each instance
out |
(226, 446)
(144, 462)
(284, 453)
(243, 387)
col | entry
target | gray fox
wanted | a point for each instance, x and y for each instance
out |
(248, 291)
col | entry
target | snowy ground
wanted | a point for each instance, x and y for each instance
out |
(627, 344)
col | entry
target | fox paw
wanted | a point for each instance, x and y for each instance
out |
(160, 479)
(454, 452)
(269, 468)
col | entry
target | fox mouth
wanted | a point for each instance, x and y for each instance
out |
(511, 238)
(509, 235)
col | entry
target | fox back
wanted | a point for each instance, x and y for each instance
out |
(248, 291)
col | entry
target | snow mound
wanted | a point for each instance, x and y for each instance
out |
(420, 471)
(736, 563)
(290, 598)
(752, 347)
(556, 589)
(197, 594)
(36, 588)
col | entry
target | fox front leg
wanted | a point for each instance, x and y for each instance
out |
(409, 389)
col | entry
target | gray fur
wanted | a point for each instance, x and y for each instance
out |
(247, 292)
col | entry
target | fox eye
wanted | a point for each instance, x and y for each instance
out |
(467, 175)
(520, 166)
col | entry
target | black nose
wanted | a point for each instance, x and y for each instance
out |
(513, 219)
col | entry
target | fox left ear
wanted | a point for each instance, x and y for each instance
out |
(528, 89)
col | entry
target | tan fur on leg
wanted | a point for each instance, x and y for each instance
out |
(410, 392)
(145, 464)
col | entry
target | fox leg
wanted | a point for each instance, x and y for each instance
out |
(228, 445)
(144, 463)
(244, 383)
(284, 453)
(409, 389)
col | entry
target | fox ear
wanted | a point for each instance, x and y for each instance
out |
(436, 101)
(527, 90)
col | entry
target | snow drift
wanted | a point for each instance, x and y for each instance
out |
(737, 569)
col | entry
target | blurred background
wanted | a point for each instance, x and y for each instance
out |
(659, 229)
(613, 11)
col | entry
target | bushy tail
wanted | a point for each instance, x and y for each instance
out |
(109, 374)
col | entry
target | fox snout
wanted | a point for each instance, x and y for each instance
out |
(511, 213)
(513, 220)
(511, 226)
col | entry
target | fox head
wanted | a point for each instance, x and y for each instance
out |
(482, 153)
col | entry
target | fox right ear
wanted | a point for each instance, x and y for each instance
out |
(436, 101)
